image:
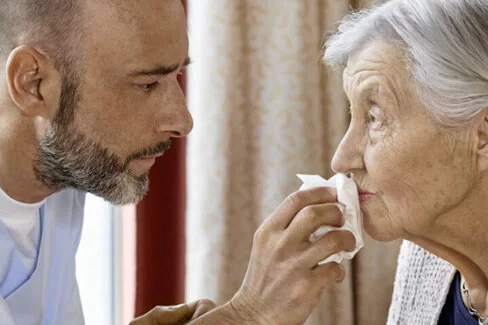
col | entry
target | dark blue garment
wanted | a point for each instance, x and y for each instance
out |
(454, 312)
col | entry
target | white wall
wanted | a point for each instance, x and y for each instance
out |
(95, 262)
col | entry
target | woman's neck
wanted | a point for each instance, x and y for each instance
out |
(460, 236)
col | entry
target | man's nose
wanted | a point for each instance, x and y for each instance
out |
(177, 120)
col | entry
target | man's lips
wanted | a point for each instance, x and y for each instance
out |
(143, 164)
(153, 156)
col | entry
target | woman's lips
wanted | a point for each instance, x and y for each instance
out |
(365, 196)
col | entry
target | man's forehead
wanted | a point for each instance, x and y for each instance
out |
(153, 35)
(151, 27)
(135, 12)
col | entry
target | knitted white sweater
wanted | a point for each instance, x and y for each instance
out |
(422, 283)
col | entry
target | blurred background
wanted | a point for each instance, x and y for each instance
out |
(265, 109)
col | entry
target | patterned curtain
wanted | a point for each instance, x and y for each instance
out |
(265, 109)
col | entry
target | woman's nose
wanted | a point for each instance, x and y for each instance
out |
(349, 155)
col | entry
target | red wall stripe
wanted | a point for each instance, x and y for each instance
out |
(160, 270)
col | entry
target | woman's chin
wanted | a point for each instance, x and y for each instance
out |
(379, 231)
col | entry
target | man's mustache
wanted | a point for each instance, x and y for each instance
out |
(159, 148)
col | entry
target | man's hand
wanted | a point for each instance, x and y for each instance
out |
(174, 315)
(283, 282)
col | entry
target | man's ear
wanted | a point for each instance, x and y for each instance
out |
(33, 81)
(482, 143)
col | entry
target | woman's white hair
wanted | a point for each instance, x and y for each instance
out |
(446, 47)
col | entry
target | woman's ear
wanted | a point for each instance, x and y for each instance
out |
(482, 143)
(34, 83)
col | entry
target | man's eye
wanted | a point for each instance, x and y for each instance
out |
(148, 87)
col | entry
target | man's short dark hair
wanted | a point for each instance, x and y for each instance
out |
(51, 26)
(54, 27)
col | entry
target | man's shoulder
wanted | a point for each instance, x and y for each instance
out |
(67, 194)
(71, 199)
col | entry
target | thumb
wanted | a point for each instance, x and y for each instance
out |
(172, 315)
(202, 307)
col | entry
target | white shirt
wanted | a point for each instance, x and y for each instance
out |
(22, 221)
(40, 288)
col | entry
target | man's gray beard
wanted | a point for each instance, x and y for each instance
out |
(68, 159)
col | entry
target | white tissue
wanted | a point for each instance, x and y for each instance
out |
(347, 194)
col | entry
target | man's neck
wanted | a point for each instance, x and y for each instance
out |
(18, 149)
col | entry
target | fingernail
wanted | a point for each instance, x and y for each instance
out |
(353, 243)
(177, 306)
(341, 207)
(205, 302)
(342, 274)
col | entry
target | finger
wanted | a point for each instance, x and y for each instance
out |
(310, 218)
(202, 307)
(329, 272)
(172, 315)
(331, 243)
(284, 214)
(192, 306)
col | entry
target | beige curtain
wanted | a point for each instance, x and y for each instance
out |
(266, 109)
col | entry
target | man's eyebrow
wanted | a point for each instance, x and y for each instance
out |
(160, 70)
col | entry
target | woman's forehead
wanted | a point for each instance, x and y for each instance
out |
(380, 61)
(375, 56)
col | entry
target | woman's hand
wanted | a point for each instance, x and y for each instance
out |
(174, 315)
(283, 282)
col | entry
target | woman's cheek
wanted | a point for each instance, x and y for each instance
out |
(379, 160)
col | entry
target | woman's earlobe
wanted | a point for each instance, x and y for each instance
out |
(483, 133)
(482, 143)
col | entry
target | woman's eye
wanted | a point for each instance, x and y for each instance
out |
(148, 87)
(375, 116)
(371, 118)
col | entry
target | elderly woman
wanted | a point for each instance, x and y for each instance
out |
(416, 76)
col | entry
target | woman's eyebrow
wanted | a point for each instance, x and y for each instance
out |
(380, 92)
(365, 92)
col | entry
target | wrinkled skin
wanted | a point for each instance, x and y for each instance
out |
(426, 183)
